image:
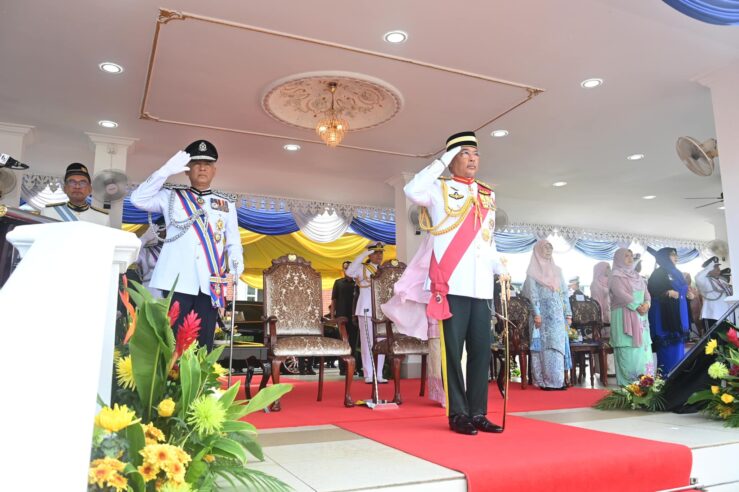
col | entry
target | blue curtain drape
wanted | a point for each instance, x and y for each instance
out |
(598, 250)
(719, 12)
(377, 230)
(685, 255)
(264, 222)
(510, 242)
(133, 215)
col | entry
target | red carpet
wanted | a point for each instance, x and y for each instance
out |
(530, 455)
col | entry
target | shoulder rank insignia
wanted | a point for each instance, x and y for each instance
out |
(228, 196)
(171, 186)
(102, 211)
(55, 204)
(483, 187)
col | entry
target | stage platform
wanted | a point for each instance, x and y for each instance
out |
(548, 445)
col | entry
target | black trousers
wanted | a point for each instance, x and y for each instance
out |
(353, 333)
(470, 326)
(203, 307)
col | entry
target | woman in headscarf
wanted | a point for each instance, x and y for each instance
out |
(545, 287)
(630, 301)
(669, 319)
(695, 305)
(599, 289)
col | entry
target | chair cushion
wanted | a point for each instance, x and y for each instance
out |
(308, 345)
(402, 345)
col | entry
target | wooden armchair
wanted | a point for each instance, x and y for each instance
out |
(293, 323)
(588, 321)
(519, 308)
(386, 338)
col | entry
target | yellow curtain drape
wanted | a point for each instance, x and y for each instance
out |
(137, 229)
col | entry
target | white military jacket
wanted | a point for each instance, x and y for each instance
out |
(473, 275)
(714, 297)
(66, 212)
(185, 256)
(361, 273)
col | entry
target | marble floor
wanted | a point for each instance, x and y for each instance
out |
(327, 458)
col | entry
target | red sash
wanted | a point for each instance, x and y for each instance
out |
(440, 272)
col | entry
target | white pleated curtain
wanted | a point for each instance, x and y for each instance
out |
(325, 227)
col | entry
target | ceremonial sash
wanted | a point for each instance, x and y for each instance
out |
(208, 243)
(66, 214)
(441, 271)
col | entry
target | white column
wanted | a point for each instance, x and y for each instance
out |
(725, 97)
(406, 238)
(110, 153)
(12, 142)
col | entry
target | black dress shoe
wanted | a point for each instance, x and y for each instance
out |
(462, 424)
(482, 423)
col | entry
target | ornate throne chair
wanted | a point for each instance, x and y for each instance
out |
(293, 323)
(387, 339)
(588, 321)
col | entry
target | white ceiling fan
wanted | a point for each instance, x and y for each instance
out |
(697, 157)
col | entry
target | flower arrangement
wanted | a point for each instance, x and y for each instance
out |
(642, 394)
(721, 398)
(170, 426)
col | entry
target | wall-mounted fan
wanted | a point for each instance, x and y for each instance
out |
(8, 182)
(109, 186)
(718, 247)
(697, 157)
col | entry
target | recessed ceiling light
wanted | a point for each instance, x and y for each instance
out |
(291, 147)
(635, 157)
(721, 207)
(559, 184)
(108, 124)
(396, 37)
(649, 197)
(499, 133)
(110, 67)
(591, 83)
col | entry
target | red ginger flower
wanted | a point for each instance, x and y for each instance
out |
(187, 333)
(131, 311)
(733, 337)
(174, 313)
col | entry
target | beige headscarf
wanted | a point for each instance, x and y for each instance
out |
(543, 270)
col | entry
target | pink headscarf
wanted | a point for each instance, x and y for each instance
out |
(624, 281)
(543, 270)
(599, 289)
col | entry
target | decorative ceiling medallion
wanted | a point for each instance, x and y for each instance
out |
(301, 100)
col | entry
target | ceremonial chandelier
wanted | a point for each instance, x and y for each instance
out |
(331, 128)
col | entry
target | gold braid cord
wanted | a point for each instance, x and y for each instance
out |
(424, 220)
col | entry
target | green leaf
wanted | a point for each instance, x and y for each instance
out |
(136, 481)
(136, 298)
(252, 479)
(249, 442)
(265, 397)
(136, 442)
(230, 449)
(238, 426)
(213, 356)
(139, 289)
(229, 395)
(700, 396)
(190, 379)
(195, 471)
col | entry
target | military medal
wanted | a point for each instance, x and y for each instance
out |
(219, 224)
(217, 236)
(486, 234)
(200, 200)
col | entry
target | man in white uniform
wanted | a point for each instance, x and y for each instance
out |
(77, 186)
(202, 228)
(714, 290)
(461, 211)
(361, 271)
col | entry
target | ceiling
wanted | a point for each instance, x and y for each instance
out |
(648, 55)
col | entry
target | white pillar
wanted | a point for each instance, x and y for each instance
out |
(110, 153)
(12, 142)
(725, 97)
(406, 239)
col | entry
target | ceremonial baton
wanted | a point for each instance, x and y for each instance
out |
(505, 293)
(235, 269)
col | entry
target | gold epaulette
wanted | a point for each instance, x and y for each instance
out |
(55, 204)
(228, 196)
(102, 211)
(445, 178)
(484, 188)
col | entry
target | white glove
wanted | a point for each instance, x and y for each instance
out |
(176, 164)
(447, 157)
(151, 235)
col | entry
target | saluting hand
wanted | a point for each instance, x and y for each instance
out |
(447, 157)
(177, 163)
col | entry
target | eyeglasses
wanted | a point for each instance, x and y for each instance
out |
(77, 184)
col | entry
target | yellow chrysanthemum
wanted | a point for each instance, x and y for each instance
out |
(116, 418)
(209, 458)
(175, 471)
(172, 486)
(174, 373)
(163, 455)
(104, 472)
(715, 390)
(98, 475)
(166, 407)
(711, 346)
(206, 415)
(727, 398)
(724, 412)
(152, 434)
(124, 371)
(148, 471)
(116, 354)
(219, 370)
(118, 482)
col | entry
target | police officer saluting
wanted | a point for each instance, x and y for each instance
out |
(202, 229)
(77, 186)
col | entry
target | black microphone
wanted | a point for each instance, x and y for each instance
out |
(10, 163)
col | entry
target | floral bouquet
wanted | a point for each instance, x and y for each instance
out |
(642, 394)
(170, 427)
(721, 399)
